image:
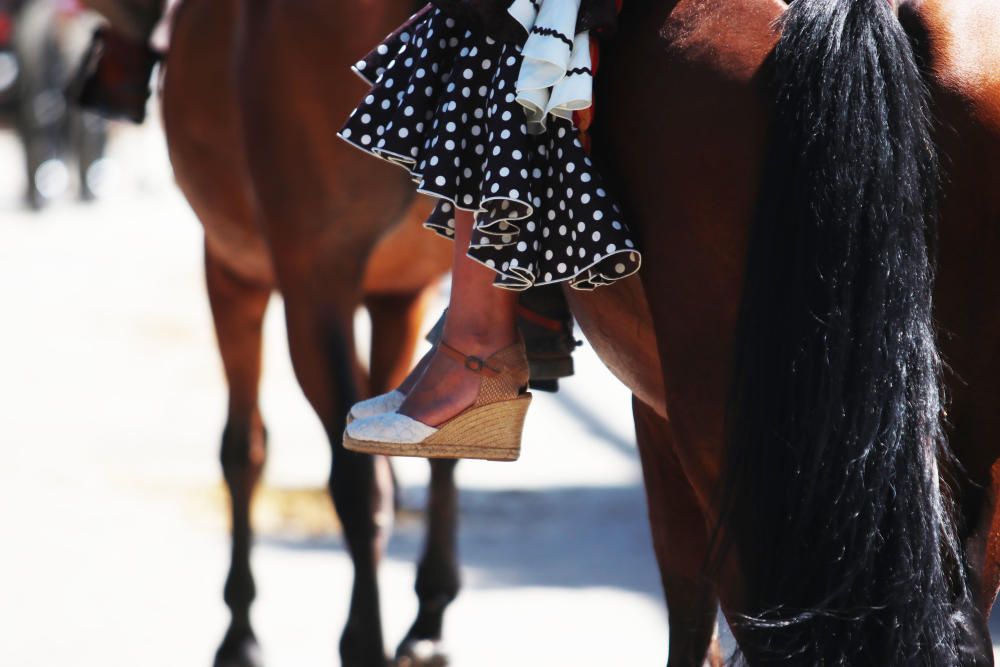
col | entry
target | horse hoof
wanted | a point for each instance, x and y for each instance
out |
(421, 653)
(243, 652)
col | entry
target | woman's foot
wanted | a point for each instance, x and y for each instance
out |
(390, 401)
(446, 387)
(483, 421)
(479, 364)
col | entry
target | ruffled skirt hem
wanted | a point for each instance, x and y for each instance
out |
(442, 106)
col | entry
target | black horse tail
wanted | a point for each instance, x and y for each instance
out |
(832, 503)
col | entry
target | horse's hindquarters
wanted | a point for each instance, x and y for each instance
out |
(685, 145)
(959, 42)
(202, 123)
(616, 321)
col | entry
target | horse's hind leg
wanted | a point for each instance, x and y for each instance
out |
(438, 579)
(319, 317)
(405, 265)
(396, 326)
(398, 287)
(681, 541)
(238, 312)
(983, 547)
(396, 322)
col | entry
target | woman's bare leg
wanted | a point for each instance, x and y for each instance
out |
(482, 319)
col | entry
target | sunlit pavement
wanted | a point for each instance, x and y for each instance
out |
(113, 524)
(113, 545)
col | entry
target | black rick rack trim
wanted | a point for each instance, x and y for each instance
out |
(549, 32)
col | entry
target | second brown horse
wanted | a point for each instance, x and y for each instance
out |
(286, 205)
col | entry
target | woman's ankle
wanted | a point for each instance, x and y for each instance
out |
(480, 341)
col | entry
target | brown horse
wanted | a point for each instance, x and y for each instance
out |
(286, 205)
(704, 119)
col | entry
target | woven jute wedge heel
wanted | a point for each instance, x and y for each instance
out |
(489, 429)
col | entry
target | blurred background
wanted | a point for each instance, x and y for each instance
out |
(114, 525)
(113, 518)
(41, 44)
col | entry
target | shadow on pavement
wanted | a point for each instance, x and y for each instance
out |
(564, 537)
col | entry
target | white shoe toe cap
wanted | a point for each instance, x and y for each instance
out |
(378, 405)
(390, 427)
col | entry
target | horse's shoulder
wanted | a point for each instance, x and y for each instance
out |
(961, 42)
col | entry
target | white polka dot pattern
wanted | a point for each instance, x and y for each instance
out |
(442, 106)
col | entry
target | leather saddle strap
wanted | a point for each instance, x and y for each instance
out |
(538, 319)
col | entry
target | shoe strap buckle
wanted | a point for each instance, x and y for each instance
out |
(479, 365)
(470, 361)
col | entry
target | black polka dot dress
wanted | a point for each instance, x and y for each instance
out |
(442, 106)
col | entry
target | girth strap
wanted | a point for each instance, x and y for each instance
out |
(538, 319)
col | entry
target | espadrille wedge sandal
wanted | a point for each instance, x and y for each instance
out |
(488, 429)
(547, 329)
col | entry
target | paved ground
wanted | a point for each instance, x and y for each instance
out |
(112, 534)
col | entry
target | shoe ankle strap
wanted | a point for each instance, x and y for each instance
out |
(471, 362)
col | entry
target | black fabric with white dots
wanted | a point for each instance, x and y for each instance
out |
(442, 105)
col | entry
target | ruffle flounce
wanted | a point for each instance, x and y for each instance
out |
(443, 106)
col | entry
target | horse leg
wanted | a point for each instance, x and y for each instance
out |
(981, 507)
(978, 492)
(681, 541)
(323, 207)
(321, 343)
(397, 286)
(438, 578)
(983, 545)
(396, 321)
(238, 312)
(406, 262)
